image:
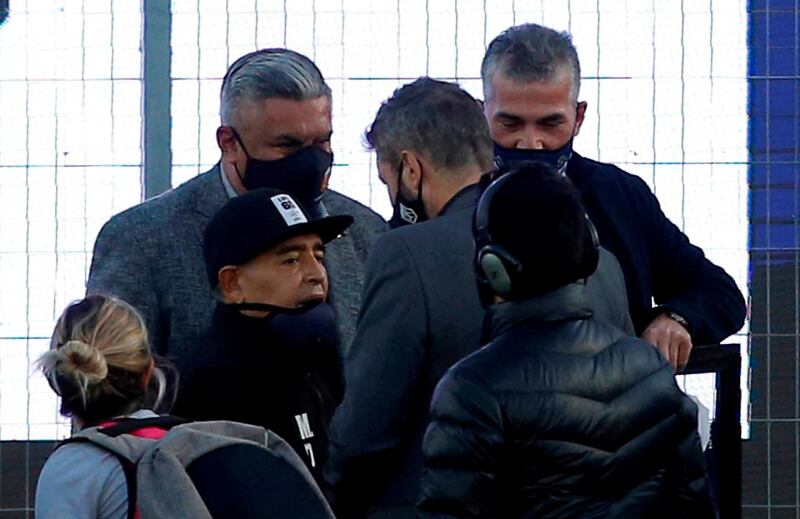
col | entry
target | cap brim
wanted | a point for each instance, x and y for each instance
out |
(326, 228)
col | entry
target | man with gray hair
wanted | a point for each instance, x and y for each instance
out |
(275, 132)
(531, 83)
(421, 309)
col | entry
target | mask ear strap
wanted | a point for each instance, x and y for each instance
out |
(399, 181)
(247, 153)
(239, 140)
(419, 190)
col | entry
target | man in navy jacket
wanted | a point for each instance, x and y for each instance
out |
(531, 81)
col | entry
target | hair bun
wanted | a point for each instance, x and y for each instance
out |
(86, 360)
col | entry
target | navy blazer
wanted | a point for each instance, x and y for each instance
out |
(151, 256)
(657, 259)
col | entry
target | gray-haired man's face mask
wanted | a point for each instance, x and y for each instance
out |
(507, 158)
(300, 174)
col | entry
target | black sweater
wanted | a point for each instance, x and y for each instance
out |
(285, 377)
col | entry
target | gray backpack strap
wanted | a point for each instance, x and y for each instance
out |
(127, 449)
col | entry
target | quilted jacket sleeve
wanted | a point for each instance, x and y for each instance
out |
(693, 496)
(462, 449)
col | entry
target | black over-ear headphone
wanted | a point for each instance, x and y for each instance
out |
(496, 265)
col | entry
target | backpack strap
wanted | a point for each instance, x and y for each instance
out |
(152, 428)
(128, 470)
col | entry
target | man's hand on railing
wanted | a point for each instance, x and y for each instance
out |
(670, 338)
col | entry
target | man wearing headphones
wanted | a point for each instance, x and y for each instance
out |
(561, 414)
(421, 310)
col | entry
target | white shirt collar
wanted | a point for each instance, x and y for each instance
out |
(227, 183)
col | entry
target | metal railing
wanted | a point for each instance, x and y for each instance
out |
(724, 455)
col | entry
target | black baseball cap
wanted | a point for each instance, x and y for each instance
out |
(252, 223)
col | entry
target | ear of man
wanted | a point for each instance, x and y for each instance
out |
(579, 116)
(226, 140)
(229, 287)
(412, 171)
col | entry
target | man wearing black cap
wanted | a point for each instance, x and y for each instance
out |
(270, 356)
(560, 414)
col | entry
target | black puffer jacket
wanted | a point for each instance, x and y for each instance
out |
(562, 416)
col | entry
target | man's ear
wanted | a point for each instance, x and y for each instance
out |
(226, 140)
(581, 112)
(229, 288)
(412, 171)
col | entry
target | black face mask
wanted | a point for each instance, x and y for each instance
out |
(507, 158)
(406, 211)
(305, 326)
(299, 174)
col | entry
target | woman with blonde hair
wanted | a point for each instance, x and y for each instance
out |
(100, 364)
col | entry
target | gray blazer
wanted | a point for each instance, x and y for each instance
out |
(151, 256)
(421, 314)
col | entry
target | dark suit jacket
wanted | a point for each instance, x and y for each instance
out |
(151, 256)
(421, 313)
(658, 260)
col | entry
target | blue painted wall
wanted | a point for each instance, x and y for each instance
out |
(771, 468)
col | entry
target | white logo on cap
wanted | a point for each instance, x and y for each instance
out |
(288, 210)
